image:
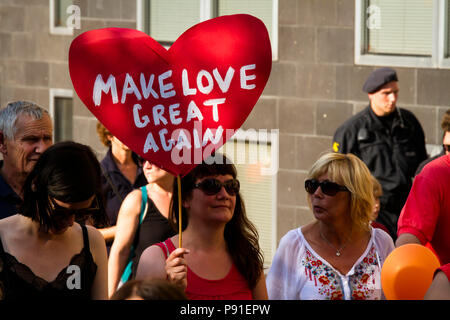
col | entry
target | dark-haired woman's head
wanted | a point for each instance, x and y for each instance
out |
(211, 191)
(66, 179)
(215, 176)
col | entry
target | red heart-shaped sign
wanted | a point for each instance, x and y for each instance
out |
(173, 107)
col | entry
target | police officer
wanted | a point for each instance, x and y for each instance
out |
(388, 139)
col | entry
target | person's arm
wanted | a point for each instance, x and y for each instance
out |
(127, 223)
(99, 289)
(419, 216)
(339, 142)
(406, 238)
(259, 292)
(439, 288)
(344, 140)
(282, 281)
(153, 265)
(108, 233)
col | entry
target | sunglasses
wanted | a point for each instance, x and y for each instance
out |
(329, 188)
(57, 210)
(213, 186)
(446, 147)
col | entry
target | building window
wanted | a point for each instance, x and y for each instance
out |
(261, 9)
(61, 14)
(165, 20)
(400, 27)
(444, 35)
(61, 111)
(411, 33)
(255, 155)
(446, 13)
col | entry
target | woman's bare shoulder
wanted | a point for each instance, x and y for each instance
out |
(9, 224)
(151, 263)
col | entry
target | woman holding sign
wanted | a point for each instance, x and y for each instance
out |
(220, 257)
(338, 256)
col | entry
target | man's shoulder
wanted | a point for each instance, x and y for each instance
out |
(357, 120)
(9, 200)
(427, 161)
(408, 114)
(410, 120)
(438, 167)
(107, 163)
(8, 224)
(5, 188)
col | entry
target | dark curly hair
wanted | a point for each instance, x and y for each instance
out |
(240, 235)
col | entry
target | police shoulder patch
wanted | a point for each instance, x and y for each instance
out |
(335, 146)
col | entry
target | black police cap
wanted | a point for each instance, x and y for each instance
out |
(379, 78)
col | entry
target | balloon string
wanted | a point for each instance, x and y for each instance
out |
(179, 213)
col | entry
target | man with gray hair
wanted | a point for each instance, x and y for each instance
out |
(25, 133)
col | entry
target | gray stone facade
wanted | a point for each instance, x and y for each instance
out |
(313, 88)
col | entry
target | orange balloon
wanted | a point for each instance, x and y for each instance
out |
(408, 272)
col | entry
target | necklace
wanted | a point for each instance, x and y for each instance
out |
(338, 251)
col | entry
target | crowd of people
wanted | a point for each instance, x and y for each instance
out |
(74, 227)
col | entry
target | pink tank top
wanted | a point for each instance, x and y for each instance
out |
(232, 287)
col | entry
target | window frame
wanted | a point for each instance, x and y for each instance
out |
(57, 30)
(206, 9)
(57, 93)
(444, 30)
(439, 34)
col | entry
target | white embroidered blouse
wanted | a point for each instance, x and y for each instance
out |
(298, 272)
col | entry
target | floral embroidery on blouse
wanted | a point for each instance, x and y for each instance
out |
(328, 282)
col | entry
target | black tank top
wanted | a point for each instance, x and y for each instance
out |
(153, 229)
(17, 281)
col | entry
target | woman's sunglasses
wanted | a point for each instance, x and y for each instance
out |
(446, 147)
(61, 211)
(329, 188)
(213, 186)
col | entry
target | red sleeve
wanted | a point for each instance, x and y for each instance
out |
(445, 269)
(163, 248)
(421, 210)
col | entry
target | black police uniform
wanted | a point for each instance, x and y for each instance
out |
(392, 150)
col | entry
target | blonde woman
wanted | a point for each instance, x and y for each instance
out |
(338, 255)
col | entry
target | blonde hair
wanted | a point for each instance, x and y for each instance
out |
(349, 171)
(377, 189)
